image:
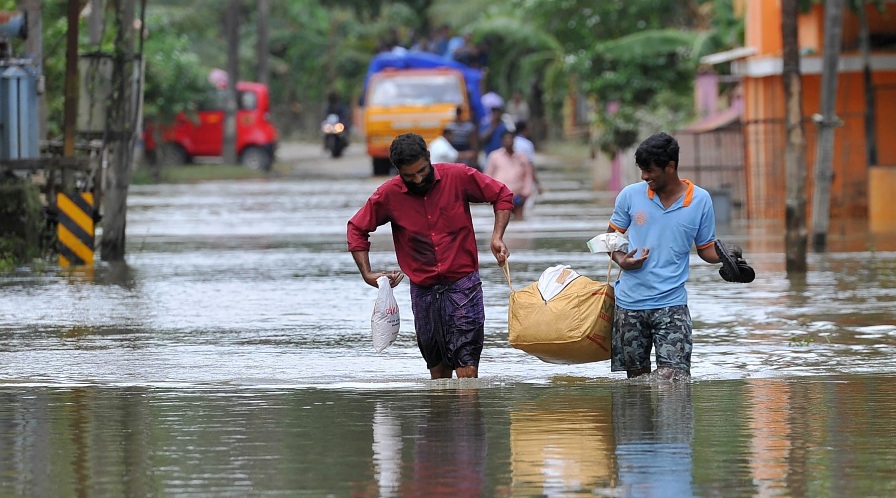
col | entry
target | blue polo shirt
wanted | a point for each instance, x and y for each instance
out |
(670, 234)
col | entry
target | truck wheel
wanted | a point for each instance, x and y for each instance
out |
(174, 155)
(256, 158)
(381, 166)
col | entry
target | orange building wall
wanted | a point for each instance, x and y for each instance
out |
(765, 129)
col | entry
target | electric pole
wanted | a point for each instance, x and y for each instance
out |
(122, 135)
(795, 155)
(231, 30)
(827, 122)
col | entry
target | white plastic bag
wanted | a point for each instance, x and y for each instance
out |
(609, 242)
(385, 322)
(553, 280)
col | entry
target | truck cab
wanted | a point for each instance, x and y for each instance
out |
(414, 93)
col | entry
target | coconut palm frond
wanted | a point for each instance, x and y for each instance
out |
(647, 43)
(540, 58)
(704, 44)
(460, 13)
(516, 31)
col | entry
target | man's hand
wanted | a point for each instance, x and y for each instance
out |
(394, 277)
(628, 261)
(734, 266)
(499, 249)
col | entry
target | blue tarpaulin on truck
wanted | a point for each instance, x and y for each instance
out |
(426, 60)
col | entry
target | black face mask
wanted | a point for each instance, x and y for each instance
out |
(424, 187)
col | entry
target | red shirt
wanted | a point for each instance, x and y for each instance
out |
(435, 242)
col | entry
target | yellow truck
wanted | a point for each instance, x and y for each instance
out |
(414, 92)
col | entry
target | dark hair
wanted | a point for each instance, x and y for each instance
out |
(658, 149)
(520, 127)
(406, 149)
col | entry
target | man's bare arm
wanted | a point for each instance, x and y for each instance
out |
(362, 259)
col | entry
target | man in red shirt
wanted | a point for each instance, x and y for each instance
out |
(428, 207)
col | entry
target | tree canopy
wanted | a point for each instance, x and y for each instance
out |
(638, 55)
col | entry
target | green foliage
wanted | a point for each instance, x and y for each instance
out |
(803, 341)
(640, 53)
(175, 78)
(26, 234)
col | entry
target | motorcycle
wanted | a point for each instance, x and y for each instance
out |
(335, 134)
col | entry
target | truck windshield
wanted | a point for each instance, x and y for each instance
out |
(424, 89)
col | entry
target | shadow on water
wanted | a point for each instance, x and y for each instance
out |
(231, 356)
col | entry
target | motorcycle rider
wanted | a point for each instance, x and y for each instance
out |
(337, 107)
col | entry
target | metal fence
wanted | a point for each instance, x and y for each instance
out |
(765, 151)
(715, 161)
(745, 166)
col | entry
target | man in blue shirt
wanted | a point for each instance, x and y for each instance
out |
(663, 217)
(492, 128)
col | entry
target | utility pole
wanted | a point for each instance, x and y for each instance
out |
(95, 22)
(72, 79)
(122, 135)
(231, 31)
(795, 155)
(870, 114)
(262, 52)
(827, 122)
(34, 49)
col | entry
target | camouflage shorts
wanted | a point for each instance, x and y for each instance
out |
(635, 332)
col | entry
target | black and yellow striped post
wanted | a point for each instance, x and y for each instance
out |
(75, 229)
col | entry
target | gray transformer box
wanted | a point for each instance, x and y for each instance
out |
(19, 101)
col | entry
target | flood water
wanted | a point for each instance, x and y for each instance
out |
(231, 356)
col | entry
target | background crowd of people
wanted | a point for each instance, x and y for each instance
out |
(500, 146)
(443, 41)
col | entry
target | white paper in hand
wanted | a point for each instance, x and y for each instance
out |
(385, 322)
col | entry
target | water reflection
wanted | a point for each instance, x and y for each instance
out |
(809, 436)
(450, 447)
(654, 425)
(562, 445)
(769, 413)
(387, 445)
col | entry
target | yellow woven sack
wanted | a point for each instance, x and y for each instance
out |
(572, 327)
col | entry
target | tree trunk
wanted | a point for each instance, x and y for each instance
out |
(120, 125)
(262, 52)
(231, 29)
(824, 152)
(795, 156)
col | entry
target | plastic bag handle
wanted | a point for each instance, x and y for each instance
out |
(506, 269)
(610, 271)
